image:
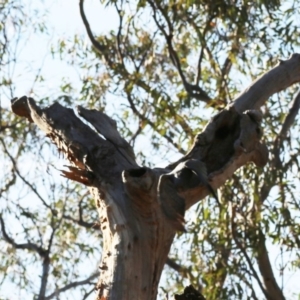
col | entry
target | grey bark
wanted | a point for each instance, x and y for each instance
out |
(135, 215)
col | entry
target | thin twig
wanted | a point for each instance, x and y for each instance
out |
(73, 285)
(140, 83)
(83, 223)
(287, 124)
(23, 178)
(193, 90)
(183, 271)
(244, 251)
(29, 246)
(142, 117)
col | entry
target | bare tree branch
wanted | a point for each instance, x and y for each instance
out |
(265, 268)
(44, 278)
(73, 284)
(23, 178)
(287, 123)
(130, 78)
(291, 116)
(286, 73)
(142, 117)
(278, 142)
(82, 223)
(140, 234)
(245, 254)
(9, 182)
(193, 90)
(183, 271)
(29, 246)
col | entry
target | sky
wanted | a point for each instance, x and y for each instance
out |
(64, 21)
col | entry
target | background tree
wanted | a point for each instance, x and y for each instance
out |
(169, 73)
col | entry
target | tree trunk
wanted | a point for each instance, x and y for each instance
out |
(140, 209)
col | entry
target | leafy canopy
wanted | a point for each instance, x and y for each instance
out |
(162, 71)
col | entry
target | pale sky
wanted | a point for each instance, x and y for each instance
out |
(64, 21)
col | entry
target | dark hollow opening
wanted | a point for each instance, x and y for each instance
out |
(137, 172)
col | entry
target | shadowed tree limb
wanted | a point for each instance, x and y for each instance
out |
(137, 232)
(183, 271)
(23, 178)
(44, 254)
(286, 73)
(130, 79)
(265, 268)
(83, 223)
(245, 254)
(142, 117)
(193, 90)
(287, 123)
(29, 246)
(58, 291)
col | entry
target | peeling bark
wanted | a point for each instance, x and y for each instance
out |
(139, 208)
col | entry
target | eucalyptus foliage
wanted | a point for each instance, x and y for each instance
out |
(162, 71)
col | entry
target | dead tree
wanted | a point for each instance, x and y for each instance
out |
(140, 209)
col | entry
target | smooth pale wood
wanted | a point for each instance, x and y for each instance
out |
(285, 74)
(137, 235)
